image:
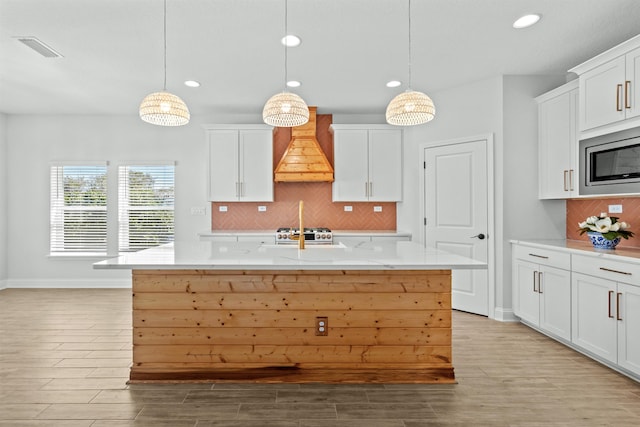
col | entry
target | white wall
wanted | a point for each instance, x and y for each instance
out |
(3, 201)
(34, 141)
(504, 107)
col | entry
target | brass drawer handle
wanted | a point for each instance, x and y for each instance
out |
(539, 256)
(615, 271)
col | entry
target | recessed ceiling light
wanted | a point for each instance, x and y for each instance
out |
(393, 83)
(290, 40)
(526, 21)
(192, 83)
(293, 83)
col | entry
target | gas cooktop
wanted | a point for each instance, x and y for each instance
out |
(312, 235)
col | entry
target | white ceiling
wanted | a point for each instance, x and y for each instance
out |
(113, 49)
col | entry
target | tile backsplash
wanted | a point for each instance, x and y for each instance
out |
(579, 209)
(319, 210)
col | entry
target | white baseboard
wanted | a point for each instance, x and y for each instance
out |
(3, 284)
(68, 283)
(505, 315)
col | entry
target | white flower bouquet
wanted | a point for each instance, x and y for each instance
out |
(609, 226)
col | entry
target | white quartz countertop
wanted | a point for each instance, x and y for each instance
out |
(582, 247)
(259, 256)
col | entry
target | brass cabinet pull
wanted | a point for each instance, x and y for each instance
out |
(366, 189)
(570, 179)
(539, 282)
(627, 103)
(565, 180)
(618, 90)
(618, 317)
(610, 315)
(615, 271)
(539, 256)
(370, 189)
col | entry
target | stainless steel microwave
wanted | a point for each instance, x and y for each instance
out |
(610, 164)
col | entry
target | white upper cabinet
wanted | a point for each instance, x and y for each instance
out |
(610, 89)
(240, 163)
(558, 142)
(367, 163)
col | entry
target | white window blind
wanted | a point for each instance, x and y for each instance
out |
(78, 221)
(146, 206)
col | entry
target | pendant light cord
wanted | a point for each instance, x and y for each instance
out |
(409, 9)
(286, 48)
(165, 46)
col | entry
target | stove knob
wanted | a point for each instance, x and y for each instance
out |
(324, 236)
(317, 236)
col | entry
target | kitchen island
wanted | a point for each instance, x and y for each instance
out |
(368, 312)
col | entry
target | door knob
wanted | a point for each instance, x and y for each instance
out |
(479, 236)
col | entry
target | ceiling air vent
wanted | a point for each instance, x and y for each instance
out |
(39, 47)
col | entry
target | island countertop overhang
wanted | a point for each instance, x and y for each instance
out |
(257, 256)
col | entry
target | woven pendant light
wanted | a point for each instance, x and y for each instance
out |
(410, 107)
(164, 108)
(285, 109)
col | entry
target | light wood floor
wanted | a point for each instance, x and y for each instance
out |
(64, 358)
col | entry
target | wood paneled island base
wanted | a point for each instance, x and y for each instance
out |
(383, 326)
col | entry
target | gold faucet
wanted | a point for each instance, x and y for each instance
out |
(300, 236)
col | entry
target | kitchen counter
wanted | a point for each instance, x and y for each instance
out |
(254, 312)
(580, 246)
(253, 255)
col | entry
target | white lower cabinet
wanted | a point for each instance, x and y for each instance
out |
(542, 293)
(590, 302)
(606, 319)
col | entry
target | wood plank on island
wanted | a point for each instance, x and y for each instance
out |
(260, 326)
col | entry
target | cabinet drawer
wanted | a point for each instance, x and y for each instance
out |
(543, 256)
(618, 271)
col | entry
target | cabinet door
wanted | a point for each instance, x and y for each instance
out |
(557, 146)
(628, 305)
(350, 166)
(256, 166)
(527, 304)
(602, 94)
(223, 166)
(555, 301)
(632, 89)
(593, 315)
(385, 165)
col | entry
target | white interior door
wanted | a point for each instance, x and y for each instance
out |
(456, 212)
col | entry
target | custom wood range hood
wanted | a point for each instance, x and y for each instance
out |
(304, 160)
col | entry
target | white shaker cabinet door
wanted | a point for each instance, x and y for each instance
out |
(256, 166)
(602, 94)
(628, 316)
(632, 84)
(385, 165)
(223, 166)
(351, 175)
(558, 142)
(555, 301)
(593, 315)
(527, 301)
